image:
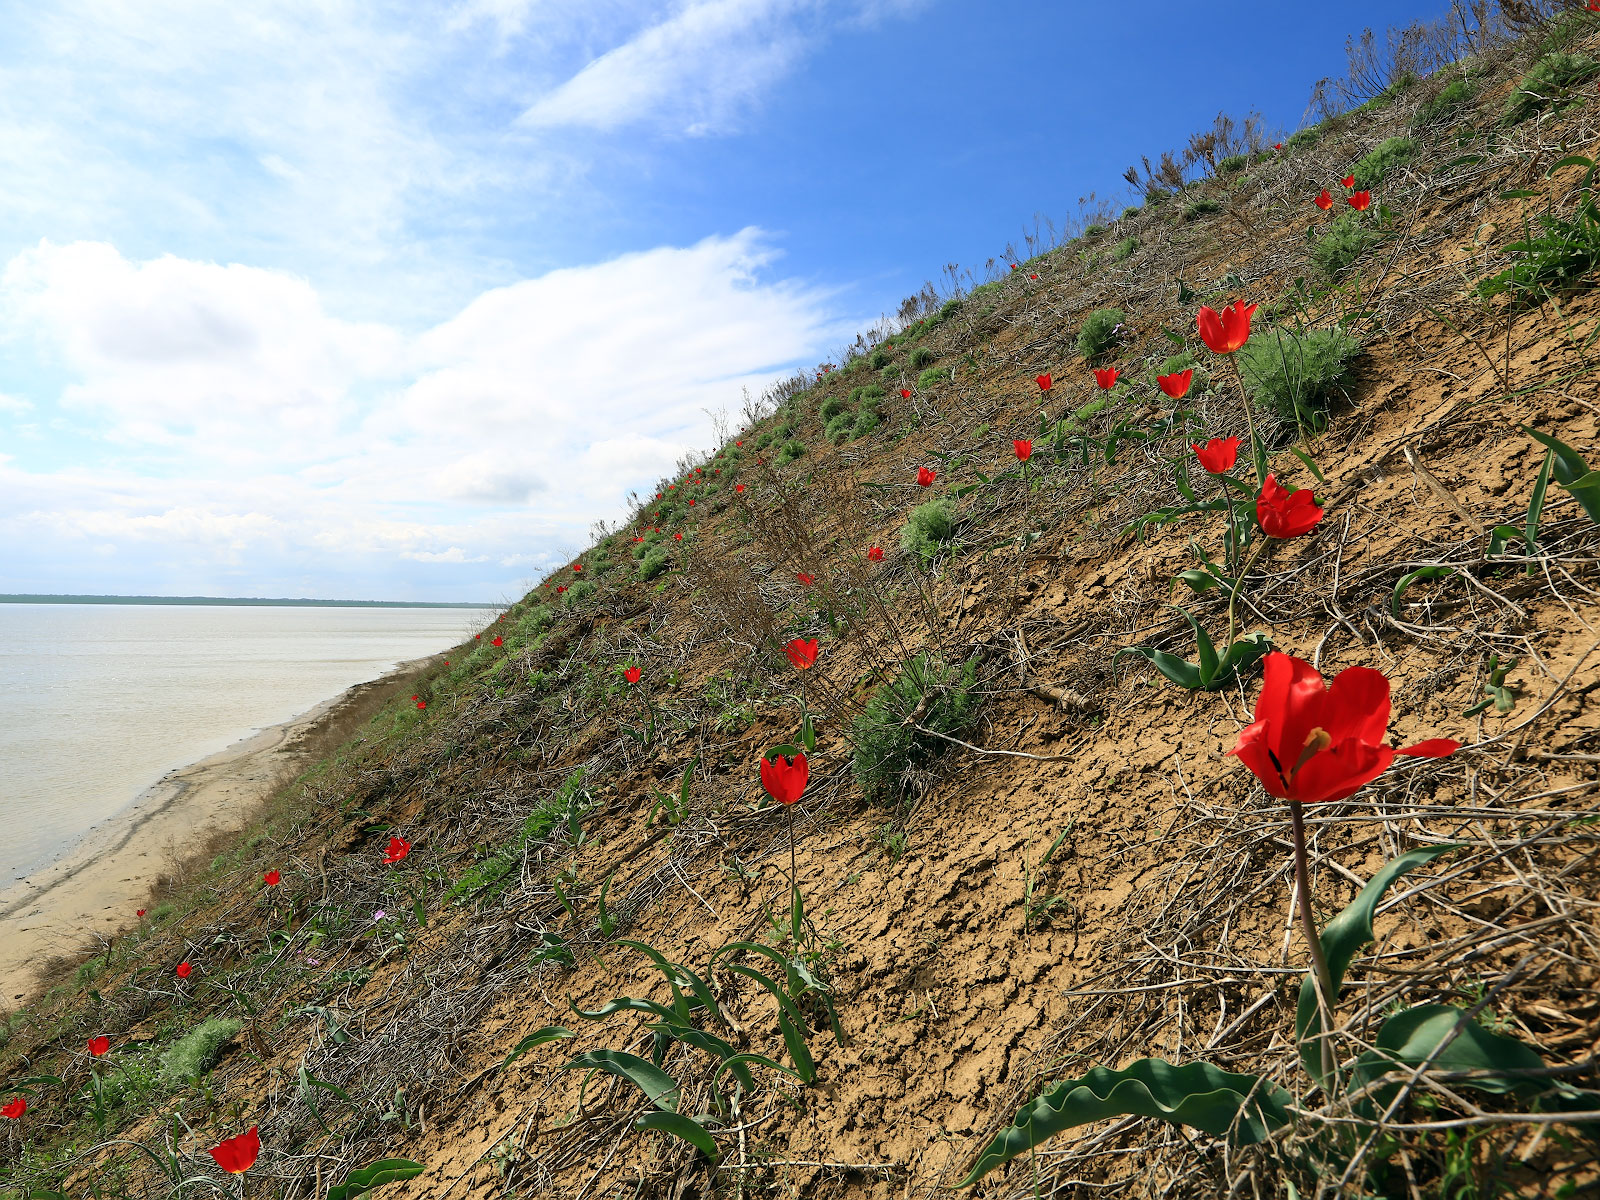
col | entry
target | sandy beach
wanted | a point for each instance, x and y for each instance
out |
(93, 891)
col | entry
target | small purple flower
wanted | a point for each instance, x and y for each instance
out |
(377, 916)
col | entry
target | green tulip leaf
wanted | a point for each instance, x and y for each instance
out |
(1245, 1108)
(538, 1037)
(1181, 672)
(1448, 1039)
(1572, 472)
(681, 1127)
(375, 1174)
(1346, 934)
(1436, 572)
(661, 1089)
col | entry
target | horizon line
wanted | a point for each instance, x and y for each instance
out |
(240, 601)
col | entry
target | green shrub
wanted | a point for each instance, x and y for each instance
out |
(792, 450)
(1302, 139)
(928, 528)
(866, 421)
(1200, 208)
(784, 431)
(838, 429)
(890, 373)
(1444, 105)
(920, 357)
(946, 310)
(1567, 28)
(764, 440)
(1099, 332)
(1131, 211)
(196, 1052)
(1346, 237)
(1381, 159)
(872, 393)
(1094, 231)
(830, 408)
(1297, 375)
(1547, 85)
(578, 592)
(1386, 97)
(887, 742)
(1232, 165)
(653, 563)
(881, 358)
(932, 377)
(1124, 249)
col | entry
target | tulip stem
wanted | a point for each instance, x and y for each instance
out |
(1238, 582)
(794, 885)
(1308, 925)
(1257, 458)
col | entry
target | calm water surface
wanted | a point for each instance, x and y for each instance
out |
(98, 701)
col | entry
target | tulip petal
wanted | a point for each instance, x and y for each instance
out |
(1432, 748)
(1357, 706)
(1340, 771)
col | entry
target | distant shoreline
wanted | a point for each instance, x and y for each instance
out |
(237, 601)
(90, 893)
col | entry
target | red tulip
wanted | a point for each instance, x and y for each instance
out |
(577, 568)
(238, 1154)
(1023, 447)
(738, 443)
(1218, 455)
(1035, 278)
(1043, 381)
(1107, 378)
(801, 653)
(926, 477)
(98, 1046)
(1013, 266)
(806, 580)
(447, 662)
(691, 504)
(1177, 384)
(272, 878)
(1225, 332)
(479, 636)
(1360, 201)
(785, 779)
(738, 487)
(184, 970)
(421, 704)
(1277, 145)
(498, 641)
(1349, 181)
(677, 537)
(875, 554)
(905, 393)
(1311, 742)
(398, 849)
(1323, 200)
(14, 1108)
(1285, 514)
(139, 912)
(633, 674)
(561, 589)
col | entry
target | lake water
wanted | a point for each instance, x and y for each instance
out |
(99, 701)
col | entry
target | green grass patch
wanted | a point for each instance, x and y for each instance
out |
(1099, 333)
(1124, 249)
(196, 1052)
(1297, 375)
(1548, 85)
(1388, 155)
(928, 528)
(1444, 105)
(792, 449)
(491, 875)
(1346, 236)
(888, 744)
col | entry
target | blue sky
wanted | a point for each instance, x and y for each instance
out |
(320, 297)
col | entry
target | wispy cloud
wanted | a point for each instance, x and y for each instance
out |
(702, 67)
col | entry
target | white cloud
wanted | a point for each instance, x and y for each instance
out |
(223, 412)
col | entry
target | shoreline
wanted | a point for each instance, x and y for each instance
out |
(91, 893)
